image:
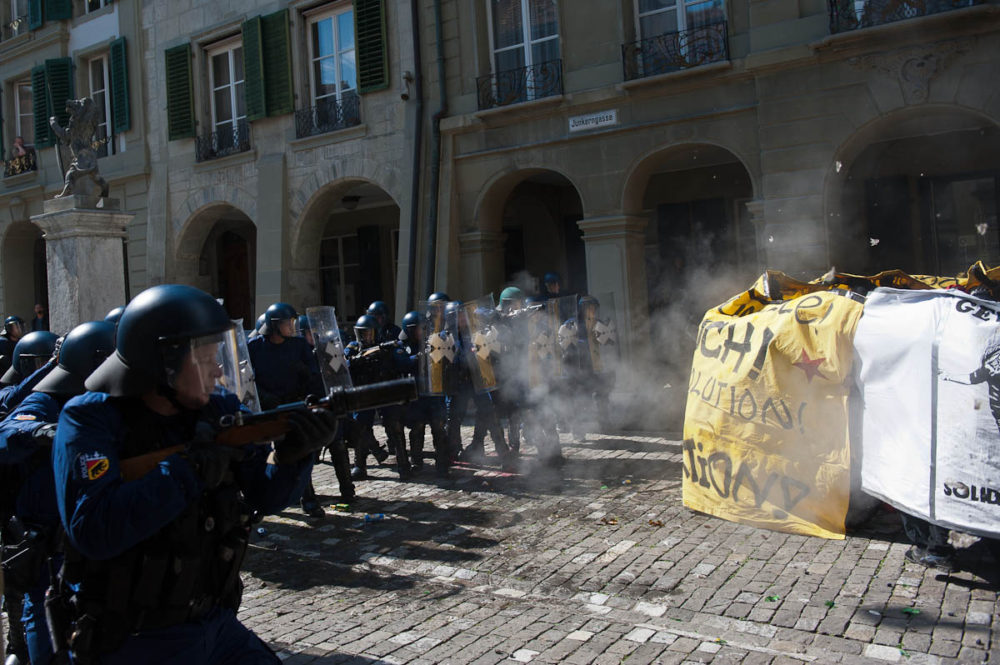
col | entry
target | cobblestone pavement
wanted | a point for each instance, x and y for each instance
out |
(605, 566)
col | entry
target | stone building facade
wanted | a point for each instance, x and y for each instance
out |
(657, 154)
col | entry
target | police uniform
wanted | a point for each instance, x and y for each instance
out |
(152, 564)
(426, 410)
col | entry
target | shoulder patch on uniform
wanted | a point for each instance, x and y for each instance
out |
(93, 465)
(25, 416)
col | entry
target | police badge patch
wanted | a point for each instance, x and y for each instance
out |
(25, 416)
(93, 466)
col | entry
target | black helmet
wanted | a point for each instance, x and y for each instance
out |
(31, 352)
(113, 316)
(377, 308)
(11, 322)
(438, 296)
(151, 334)
(551, 278)
(83, 350)
(364, 330)
(304, 323)
(275, 314)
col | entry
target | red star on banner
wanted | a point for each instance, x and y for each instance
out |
(810, 366)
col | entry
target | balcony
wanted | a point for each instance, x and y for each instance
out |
(328, 115)
(19, 165)
(848, 15)
(523, 84)
(674, 51)
(223, 143)
(15, 28)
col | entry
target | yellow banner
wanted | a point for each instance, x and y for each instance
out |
(765, 429)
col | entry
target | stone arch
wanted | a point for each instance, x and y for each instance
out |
(488, 209)
(652, 161)
(25, 277)
(216, 250)
(878, 186)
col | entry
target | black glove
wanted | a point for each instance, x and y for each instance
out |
(45, 434)
(211, 462)
(308, 431)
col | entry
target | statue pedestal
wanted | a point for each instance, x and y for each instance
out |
(85, 258)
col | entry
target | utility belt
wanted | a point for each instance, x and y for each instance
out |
(24, 551)
(179, 576)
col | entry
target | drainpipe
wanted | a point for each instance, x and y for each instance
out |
(430, 237)
(418, 134)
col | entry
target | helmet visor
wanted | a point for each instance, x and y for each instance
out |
(365, 336)
(285, 327)
(194, 368)
(16, 329)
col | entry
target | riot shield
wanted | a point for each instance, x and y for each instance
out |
(440, 349)
(237, 370)
(600, 334)
(329, 347)
(542, 347)
(480, 341)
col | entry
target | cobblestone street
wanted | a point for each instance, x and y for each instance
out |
(605, 566)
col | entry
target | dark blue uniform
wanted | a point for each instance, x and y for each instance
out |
(28, 469)
(426, 410)
(382, 362)
(157, 558)
(11, 396)
(460, 392)
(285, 372)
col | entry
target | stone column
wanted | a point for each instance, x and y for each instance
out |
(481, 260)
(756, 210)
(616, 265)
(85, 258)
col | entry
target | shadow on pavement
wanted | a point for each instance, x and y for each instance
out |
(630, 445)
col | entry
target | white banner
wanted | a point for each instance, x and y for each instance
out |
(929, 373)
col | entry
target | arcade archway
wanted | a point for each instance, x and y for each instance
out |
(25, 275)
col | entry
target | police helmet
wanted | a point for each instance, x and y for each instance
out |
(13, 324)
(364, 330)
(304, 324)
(275, 314)
(260, 322)
(153, 336)
(113, 316)
(551, 278)
(511, 298)
(438, 296)
(83, 350)
(411, 323)
(30, 353)
(378, 308)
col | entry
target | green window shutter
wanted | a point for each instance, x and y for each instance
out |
(253, 69)
(40, 107)
(57, 10)
(372, 53)
(59, 88)
(180, 94)
(120, 111)
(35, 18)
(277, 57)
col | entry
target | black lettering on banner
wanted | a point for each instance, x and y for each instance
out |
(960, 490)
(753, 405)
(809, 302)
(705, 328)
(692, 386)
(744, 476)
(742, 348)
(786, 422)
(976, 310)
(758, 363)
(727, 463)
(708, 389)
(802, 407)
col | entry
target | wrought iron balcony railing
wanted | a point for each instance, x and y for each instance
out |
(674, 51)
(328, 115)
(19, 165)
(848, 15)
(523, 84)
(223, 143)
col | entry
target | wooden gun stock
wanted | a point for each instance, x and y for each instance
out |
(242, 429)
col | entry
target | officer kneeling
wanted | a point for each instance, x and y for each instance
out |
(152, 564)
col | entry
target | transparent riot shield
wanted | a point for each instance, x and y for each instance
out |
(600, 332)
(329, 347)
(237, 371)
(480, 341)
(440, 349)
(542, 350)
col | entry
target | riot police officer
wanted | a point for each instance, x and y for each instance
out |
(387, 330)
(25, 451)
(34, 357)
(551, 285)
(115, 314)
(13, 330)
(426, 410)
(154, 562)
(370, 361)
(286, 371)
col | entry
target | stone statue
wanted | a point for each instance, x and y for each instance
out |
(82, 177)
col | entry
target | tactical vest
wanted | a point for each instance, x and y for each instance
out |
(178, 575)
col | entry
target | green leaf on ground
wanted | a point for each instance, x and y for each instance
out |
(772, 599)
(829, 603)
(912, 611)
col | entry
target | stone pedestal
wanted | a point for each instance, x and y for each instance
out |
(85, 258)
(616, 265)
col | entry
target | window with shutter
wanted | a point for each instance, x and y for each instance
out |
(373, 57)
(59, 88)
(277, 56)
(35, 18)
(253, 69)
(180, 96)
(58, 10)
(40, 108)
(120, 110)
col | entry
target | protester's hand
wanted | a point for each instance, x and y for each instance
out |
(211, 462)
(308, 432)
